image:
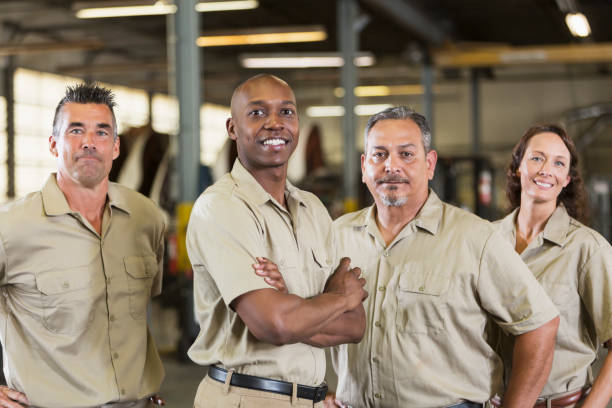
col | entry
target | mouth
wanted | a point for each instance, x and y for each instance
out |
(276, 141)
(542, 184)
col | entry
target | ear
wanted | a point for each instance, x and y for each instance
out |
(363, 158)
(231, 128)
(53, 145)
(116, 144)
(567, 180)
(431, 158)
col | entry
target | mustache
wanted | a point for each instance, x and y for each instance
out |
(392, 179)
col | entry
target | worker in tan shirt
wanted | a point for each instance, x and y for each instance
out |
(572, 262)
(79, 261)
(437, 276)
(263, 345)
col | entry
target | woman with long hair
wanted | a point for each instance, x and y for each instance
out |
(571, 261)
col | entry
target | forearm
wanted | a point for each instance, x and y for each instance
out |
(602, 387)
(347, 328)
(531, 363)
(288, 318)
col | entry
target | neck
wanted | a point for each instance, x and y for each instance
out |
(273, 180)
(89, 202)
(531, 220)
(391, 220)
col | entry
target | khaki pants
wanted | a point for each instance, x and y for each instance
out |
(213, 394)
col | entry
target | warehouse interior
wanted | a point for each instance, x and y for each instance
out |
(481, 71)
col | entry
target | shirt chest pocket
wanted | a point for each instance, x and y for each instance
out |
(68, 298)
(140, 272)
(421, 300)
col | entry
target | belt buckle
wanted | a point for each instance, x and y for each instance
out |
(320, 393)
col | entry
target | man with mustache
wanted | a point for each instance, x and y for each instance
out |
(79, 261)
(437, 276)
(263, 346)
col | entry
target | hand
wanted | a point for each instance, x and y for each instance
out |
(157, 400)
(269, 271)
(8, 397)
(347, 282)
(331, 401)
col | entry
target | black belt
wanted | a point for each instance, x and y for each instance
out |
(316, 394)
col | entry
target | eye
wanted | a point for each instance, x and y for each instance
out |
(379, 155)
(559, 163)
(257, 113)
(102, 133)
(536, 159)
(407, 155)
(76, 131)
(287, 112)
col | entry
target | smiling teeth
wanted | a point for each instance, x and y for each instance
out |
(539, 183)
(274, 142)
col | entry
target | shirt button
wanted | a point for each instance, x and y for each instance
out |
(375, 360)
(107, 280)
(112, 318)
(123, 391)
(115, 355)
(381, 288)
(386, 253)
(377, 395)
(65, 285)
(422, 288)
(377, 324)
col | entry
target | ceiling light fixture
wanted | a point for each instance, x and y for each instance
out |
(129, 9)
(337, 110)
(270, 35)
(578, 24)
(302, 60)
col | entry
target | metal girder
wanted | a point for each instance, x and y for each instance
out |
(411, 18)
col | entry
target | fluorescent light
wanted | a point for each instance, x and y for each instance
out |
(369, 110)
(578, 24)
(264, 36)
(209, 6)
(325, 111)
(337, 110)
(158, 8)
(302, 60)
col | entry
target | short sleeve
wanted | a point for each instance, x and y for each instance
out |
(223, 240)
(159, 252)
(3, 262)
(509, 291)
(596, 290)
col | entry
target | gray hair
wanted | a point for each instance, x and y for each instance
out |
(400, 113)
(86, 93)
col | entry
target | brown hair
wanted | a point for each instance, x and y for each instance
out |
(573, 196)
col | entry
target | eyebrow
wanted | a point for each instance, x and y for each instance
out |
(263, 102)
(400, 146)
(556, 157)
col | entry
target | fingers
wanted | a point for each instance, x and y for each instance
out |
(8, 397)
(269, 271)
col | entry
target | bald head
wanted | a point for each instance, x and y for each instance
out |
(261, 80)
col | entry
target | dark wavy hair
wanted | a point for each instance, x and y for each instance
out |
(573, 196)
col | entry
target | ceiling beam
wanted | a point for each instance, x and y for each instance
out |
(410, 17)
(529, 55)
(34, 48)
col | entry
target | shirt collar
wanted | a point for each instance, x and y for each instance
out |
(557, 227)
(555, 231)
(251, 187)
(55, 203)
(428, 217)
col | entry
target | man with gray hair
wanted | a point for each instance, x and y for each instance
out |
(79, 261)
(437, 276)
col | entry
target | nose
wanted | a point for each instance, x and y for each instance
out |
(544, 168)
(392, 164)
(88, 140)
(274, 121)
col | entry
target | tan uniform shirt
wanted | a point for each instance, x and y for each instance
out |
(433, 291)
(574, 265)
(73, 303)
(233, 222)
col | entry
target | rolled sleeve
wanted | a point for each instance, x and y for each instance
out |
(224, 241)
(509, 291)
